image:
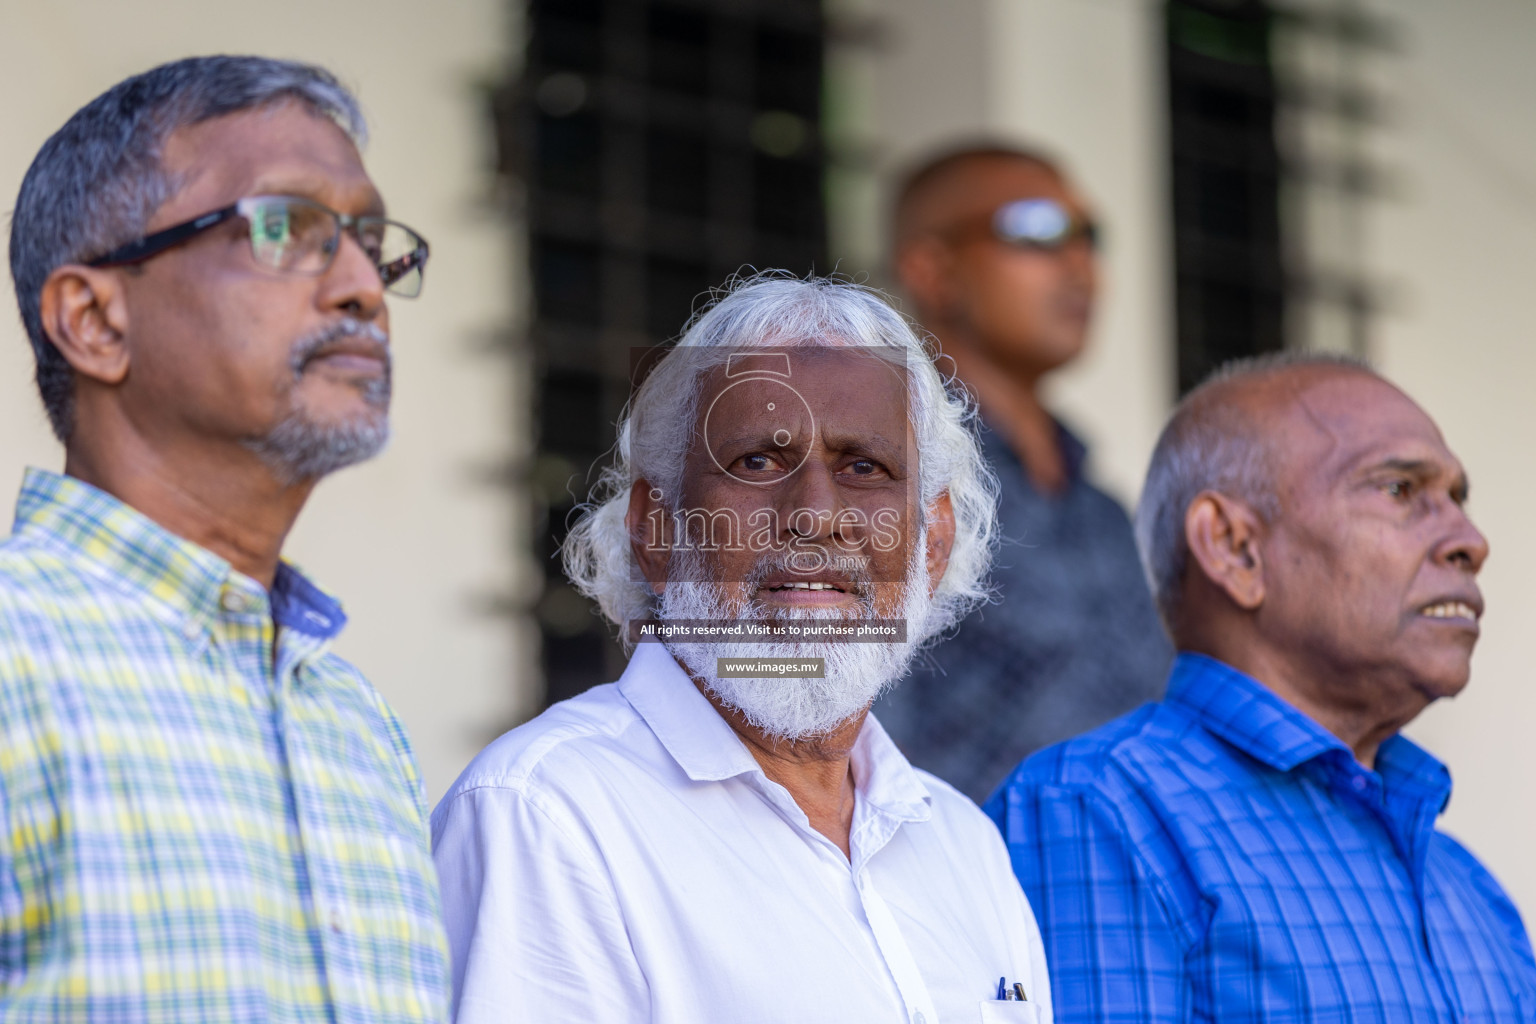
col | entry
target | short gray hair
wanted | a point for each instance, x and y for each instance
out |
(98, 180)
(778, 310)
(1212, 444)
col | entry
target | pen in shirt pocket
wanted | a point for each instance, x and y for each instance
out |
(1016, 992)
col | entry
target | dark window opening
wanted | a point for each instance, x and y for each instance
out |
(1230, 294)
(663, 145)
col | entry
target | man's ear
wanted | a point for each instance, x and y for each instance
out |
(941, 539)
(1224, 537)
(85, 315)
(647, 523)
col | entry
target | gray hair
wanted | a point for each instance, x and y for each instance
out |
(776, 310)
(1212, 444)
(98, 180)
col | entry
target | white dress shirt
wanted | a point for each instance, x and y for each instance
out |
(623, 857)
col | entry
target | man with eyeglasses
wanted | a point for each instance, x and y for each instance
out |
(204, 814)
(996, 250)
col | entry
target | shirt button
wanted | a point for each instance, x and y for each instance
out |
(335, 921)
(918, 1018)
(1359, 783)
(234, 602)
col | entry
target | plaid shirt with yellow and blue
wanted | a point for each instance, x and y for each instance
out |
(204, 814)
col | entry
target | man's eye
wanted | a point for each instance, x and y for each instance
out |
(864, 467)
(274, 228)
(756, 463)
(1400, 488)
(372, 242)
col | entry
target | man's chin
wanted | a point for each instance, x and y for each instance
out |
(336, 401)
(1447, 684)
(302, 447)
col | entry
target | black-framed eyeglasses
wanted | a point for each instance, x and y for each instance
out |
(298, 236)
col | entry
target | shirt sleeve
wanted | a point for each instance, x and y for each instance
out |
(534, 925)
(10, 902)
(29, 824)
(1495, 899)
(1116, 953)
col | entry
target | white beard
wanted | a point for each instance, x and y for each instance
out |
(794, 709)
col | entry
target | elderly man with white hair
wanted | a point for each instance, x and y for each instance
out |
(721, 836)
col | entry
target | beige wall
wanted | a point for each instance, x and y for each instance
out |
(1085, 79)
(412, 543)
(1460, 248)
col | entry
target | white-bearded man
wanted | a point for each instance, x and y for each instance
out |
(688, 846)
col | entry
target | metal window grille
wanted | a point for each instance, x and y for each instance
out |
(1230, 288)
(1271, 180)
(662, 145)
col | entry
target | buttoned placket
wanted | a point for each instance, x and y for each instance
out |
(276, 655)
(872, 829)
(1410, 840)
(238, 625)
(898, 955)
(294, 650)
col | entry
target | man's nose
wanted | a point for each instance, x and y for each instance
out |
(1081, 260)
(1464, 544)
(352, 283)
(810, 496)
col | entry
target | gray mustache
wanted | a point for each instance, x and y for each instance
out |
(308, 347)
(776, 562)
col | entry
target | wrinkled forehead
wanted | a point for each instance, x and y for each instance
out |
(280, 147)
(850, 390)
(1325, 426)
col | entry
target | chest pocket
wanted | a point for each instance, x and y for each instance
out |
(1000, 1011)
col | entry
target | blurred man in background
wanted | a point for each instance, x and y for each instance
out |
(997, 252)
(1261, 845)
(207, 815)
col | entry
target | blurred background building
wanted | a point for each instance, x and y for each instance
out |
(1352, 175)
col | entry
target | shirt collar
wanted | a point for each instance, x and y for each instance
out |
(1246, 713)
(1412, 773)
(137, 553)
(701, 741)
(705, 746)
(884, 778)
(1253, 718)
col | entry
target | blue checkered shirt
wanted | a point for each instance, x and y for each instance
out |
(204, 815)
(1221, 857)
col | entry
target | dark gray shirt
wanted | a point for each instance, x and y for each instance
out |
(1073, 641)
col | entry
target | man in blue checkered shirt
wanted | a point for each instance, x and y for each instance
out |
(205, 815)
(1260, 846)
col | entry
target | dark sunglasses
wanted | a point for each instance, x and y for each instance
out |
(1042, 224)
(297, 236)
